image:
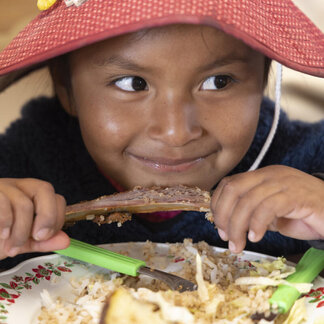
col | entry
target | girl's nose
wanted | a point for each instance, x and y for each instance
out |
(174, 121)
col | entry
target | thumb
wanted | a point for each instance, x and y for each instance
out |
(58, 241)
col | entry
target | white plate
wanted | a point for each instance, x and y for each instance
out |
(21, 286)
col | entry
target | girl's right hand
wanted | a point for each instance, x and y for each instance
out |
(31, 217)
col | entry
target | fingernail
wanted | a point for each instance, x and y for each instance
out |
(252, 236)
(232, 246)
(222, 235)
(5, 233)
(13, 251)
(42, 234)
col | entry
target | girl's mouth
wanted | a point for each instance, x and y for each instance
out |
(168, 165)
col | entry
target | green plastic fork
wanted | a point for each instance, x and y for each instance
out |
(102, 257)
(122, 264)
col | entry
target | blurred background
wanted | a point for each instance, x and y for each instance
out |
(303, 96)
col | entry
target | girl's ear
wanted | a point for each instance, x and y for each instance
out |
(59, 70)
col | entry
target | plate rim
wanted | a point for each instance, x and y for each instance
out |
(105, 245)
(52, 257)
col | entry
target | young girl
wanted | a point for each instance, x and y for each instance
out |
(163, 93)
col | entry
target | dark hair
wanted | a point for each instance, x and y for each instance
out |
(60, 68)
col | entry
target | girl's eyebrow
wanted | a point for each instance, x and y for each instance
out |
(119, 61)
(124, 63)
(226, 60)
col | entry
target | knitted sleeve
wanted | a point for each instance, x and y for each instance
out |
(31, 141)
(298, 144)
(14, 161)
(46, 143)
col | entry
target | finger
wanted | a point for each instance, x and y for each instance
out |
(3, 250)
(23, 213)
(290, 218)
(214, 208)
(6, 217)
(267, 214)
(227, 195)
(223, 202)
(243, 211)
(49, 216)
(43, 195)
(61, 206)
(57, 242)
(297, 228)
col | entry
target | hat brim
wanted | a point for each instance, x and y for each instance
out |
(276, 28)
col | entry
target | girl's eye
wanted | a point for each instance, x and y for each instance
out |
(131, 83)
(216, 82)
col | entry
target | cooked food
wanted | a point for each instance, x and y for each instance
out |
(224, 295)
(119, 207)
(137, 311)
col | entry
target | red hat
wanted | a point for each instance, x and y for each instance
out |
(276, 28)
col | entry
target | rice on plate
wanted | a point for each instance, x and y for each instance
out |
(230, 290)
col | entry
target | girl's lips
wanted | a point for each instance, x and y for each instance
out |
(167, 165)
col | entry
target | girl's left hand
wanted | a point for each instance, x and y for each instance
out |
(275, 198)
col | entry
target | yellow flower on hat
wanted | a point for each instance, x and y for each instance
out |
(45, 4)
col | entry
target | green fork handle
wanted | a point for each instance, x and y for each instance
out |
(102, 257)
(307, 269)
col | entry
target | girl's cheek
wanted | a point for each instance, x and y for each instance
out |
(234, 122)
(106, 128)
(240, 134)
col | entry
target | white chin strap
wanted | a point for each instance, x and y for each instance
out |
(275, 122)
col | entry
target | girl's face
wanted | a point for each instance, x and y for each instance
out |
(170, 105)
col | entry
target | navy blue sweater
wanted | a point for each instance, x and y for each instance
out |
(46, 144)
